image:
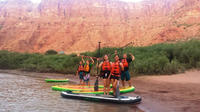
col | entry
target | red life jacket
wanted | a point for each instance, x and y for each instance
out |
(80, 68)
(87, 68)
(106, 66)
(116, 70)
(124, 62)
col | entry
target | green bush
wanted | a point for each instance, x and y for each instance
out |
(156, 59)
(173, 67)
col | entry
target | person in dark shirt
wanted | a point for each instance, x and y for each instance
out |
(125, 74)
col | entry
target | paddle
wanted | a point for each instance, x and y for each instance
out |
(96, 84)
(117, 93)
(89, 57)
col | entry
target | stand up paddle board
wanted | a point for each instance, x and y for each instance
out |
(101, 98)
(74, 87)
(88, 90)
(56, 80)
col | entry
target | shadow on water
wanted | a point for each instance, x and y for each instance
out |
(23, 93)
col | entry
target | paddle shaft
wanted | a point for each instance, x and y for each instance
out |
(117, 90)
(96, 84)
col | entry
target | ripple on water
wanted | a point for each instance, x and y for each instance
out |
(23, 93)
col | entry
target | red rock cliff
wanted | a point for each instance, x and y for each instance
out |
(78, 25)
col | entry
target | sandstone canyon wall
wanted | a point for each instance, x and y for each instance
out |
(78, 25)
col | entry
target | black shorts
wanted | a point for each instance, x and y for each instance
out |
(114, 77)
(105, 74)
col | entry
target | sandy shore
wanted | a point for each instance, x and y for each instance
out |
(172, 93)
(169, 93)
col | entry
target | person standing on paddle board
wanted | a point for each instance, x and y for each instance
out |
(80, 72)
(125, 74)
(117, 67)
(105, 67)
(87, 69)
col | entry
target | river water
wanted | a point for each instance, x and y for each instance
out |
(20, 93)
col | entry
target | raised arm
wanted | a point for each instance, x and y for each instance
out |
(83, 60)
(116, 52)
(132, 57)
(100, 64)
(92, 60)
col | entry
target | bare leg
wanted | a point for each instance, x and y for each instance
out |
(108, 81)
(108, 86)
(105, 86)
(114, 86)
(81, 82)
(123, 84)
(89, 83)
(129, 83)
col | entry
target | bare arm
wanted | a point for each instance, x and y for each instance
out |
(77, 71)
(111, 68)
(83, 60)
(100, 64)
(116, 52)
(122, 67)
(92, 60)
(132, 57)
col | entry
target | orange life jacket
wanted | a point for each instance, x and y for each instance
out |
(116, 70)
(106, 66)
(87, 68)
(80, 68)
(124, 62)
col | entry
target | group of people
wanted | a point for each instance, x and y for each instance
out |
(111, 72)
(83, 71)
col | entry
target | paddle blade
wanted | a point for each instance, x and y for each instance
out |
(117, 90)
(96, 85)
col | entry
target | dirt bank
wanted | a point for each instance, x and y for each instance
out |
(170, 93)
(174, 93)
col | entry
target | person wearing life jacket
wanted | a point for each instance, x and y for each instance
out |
(116, 69)
(125, 74)
(80, 72)
(87, 68)
(105, 68)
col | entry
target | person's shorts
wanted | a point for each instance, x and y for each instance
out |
(114, 77)
(125, 76)
(81, 75)
(86, 77)
(105, 74)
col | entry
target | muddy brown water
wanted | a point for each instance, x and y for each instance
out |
(32, 94)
